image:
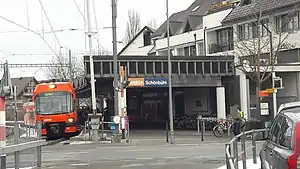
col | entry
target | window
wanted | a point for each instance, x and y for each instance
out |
(147, 38)
(187, 28)
(255, 29)
(287, 22)
(180, 52)
(54, 103)
(225, 39)
(276, 130)
(201, 49)
(195, 8)
(264, 25)
(273, 128)
(286, 133)
(193, 50)
(241, 32)
(187, 51)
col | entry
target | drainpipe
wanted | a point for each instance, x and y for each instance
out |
(195, 40)
(204, 41)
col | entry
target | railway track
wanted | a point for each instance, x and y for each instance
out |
(53, 142)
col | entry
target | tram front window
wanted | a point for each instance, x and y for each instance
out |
(54, 103)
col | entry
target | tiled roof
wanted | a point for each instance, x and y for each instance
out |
(193, 15)
(256, 6)
(21, 83)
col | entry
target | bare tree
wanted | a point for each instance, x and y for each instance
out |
(133, 25)
(63, 72)
(258, 54)
(152, 24)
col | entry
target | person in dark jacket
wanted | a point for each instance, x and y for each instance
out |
(238, 123)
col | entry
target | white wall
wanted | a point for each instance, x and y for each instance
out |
(179, 39)
(137, 47)
(215, 19)
(209, 21)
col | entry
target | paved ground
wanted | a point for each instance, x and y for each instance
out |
(154, 137)
(145, 151)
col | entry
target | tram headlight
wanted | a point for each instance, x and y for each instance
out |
(70, 120)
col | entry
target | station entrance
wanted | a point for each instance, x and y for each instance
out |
(148, 108)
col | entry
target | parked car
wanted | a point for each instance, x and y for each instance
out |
(281, 149)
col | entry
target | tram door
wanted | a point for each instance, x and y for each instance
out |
(150, 109)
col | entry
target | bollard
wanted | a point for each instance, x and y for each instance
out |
(39, 148)
(167, 132)
(102, 128)
(254, 149)
(226, 156)
(202, 130)
(243, 147)
(235, 154)
(128, 136)
(198, 125)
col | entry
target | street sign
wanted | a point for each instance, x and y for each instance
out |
(270, 90)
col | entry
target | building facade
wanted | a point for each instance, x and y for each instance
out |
(204, 41)
(202, 84)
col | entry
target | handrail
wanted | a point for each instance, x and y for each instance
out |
(232, 159)
(18, 147)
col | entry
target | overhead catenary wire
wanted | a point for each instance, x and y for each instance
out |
(27, 13)
(96, 22)
(42, 6)
(8, 20)
(85, 23)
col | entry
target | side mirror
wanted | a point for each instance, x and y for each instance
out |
(259, 136)
(268, 124)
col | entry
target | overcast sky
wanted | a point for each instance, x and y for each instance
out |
(20, 46)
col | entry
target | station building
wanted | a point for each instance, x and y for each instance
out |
(203, 42)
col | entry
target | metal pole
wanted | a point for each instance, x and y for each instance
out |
(2, 130)
(70, 67)
(235, 154)
(226, 156)
(115, 57)
(273, 75)
(254, 149)
(202, 130)
(243, 147)
(170, 77)
(274, 95)
(16, 131)
(39, 148)
(93, 89)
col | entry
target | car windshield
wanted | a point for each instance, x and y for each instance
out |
(54, 103)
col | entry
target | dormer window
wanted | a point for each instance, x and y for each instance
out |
(147, 38)
(187, 27)
(196, 8)
(246, 2)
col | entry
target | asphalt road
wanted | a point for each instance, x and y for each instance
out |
(93, 156)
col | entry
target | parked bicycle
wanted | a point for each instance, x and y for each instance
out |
(223, 126)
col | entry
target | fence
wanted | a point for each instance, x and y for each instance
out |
(30, 129)
(232, 146)
(105, 128)
(17, 148)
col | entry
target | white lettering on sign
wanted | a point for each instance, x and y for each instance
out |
(136, 83)
(154, 82)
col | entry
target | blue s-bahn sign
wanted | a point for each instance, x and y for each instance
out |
(156, 82)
